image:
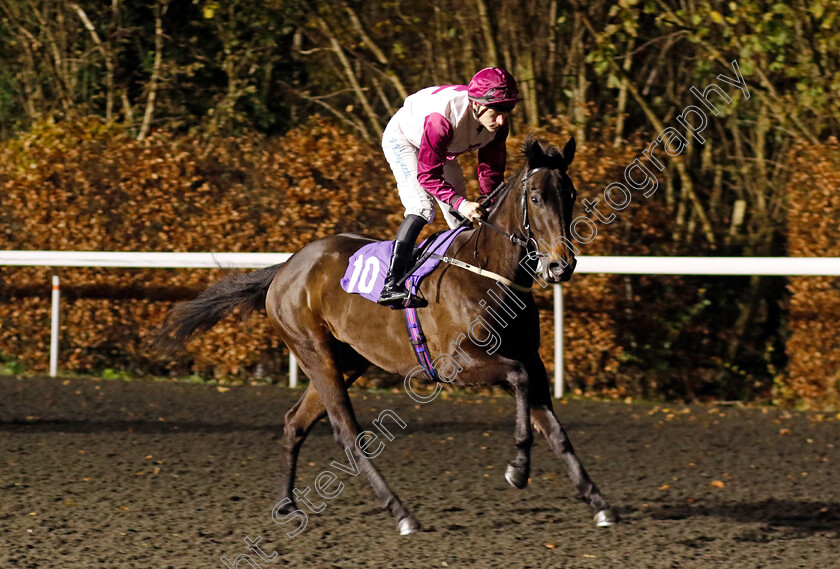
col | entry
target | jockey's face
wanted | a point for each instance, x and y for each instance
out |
(489, 118)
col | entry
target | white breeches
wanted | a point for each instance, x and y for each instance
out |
(402, 157)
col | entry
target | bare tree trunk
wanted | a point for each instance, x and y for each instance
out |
(760, 149)
(552, 47)
(356, 23)
(680, 213)
(159, 10)
(487, 32)
(121, 93)
(467, 66)
(527, 83)
(569, 66)
(104, 49)
(621, 105)
(442, 58)
(67, 66)
(670, 199)
(580, 100)
(507, 45)
(383, 98)
(576, 109)
(129, 112)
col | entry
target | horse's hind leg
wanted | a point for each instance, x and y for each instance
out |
(547, 423)
(298, 423)
(319, 364)
(346, 430)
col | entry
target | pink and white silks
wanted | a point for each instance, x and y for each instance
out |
(422, 141)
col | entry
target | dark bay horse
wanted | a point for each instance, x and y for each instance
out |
(335, 336)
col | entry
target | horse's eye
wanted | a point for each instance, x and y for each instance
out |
(535, 200)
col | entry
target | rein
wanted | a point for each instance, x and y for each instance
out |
(415, 331)
(482, 272)
(514, 239)
(528, 240)
(463, 223)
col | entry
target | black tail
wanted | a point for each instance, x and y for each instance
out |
(188, 319)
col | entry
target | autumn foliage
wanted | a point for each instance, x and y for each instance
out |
(813, 347)
(84, 186)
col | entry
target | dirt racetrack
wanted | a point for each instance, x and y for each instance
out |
(167, 475)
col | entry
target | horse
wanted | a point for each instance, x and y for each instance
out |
(336, 336)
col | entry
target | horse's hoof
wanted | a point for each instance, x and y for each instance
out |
(408, 525)
(606, 518)
(288, 508)
(516, 477)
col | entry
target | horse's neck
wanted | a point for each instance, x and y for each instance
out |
(494, 251)
(508, 215)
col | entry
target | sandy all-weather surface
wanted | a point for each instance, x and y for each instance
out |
(135, 475)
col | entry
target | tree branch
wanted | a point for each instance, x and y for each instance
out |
(687, 184)
(351, 76)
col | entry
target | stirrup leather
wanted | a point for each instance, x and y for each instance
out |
(399, 297)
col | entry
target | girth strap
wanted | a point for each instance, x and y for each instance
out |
(418, 340)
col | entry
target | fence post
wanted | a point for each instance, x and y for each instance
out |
(558, 341)
(56, 294)
(293, 370)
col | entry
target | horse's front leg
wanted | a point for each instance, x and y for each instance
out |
(519, 469)
(546, 422)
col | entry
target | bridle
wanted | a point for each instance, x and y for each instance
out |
(516, 240)
(528, 240)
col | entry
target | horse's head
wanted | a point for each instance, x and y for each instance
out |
(548, 197)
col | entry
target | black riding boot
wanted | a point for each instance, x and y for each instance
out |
(392, 295)
(395, 296)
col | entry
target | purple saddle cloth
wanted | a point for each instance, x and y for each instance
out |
(368, 267)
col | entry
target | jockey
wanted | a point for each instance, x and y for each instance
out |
(421, 143)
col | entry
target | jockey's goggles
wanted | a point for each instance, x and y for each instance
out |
(502, 107)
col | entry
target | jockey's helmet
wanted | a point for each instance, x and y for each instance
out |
(495, 88)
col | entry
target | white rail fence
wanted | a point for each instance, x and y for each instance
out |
(714, 266)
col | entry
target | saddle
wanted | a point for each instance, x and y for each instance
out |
(366, 271)
(368, 267)
(421, 248)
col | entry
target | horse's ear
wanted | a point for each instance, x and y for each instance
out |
(569, 151)
(532, 149)
(541, 156)
(535, 153)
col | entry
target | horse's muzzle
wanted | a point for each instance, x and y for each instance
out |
(558, 272)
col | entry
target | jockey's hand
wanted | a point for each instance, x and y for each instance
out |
(471, 210)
